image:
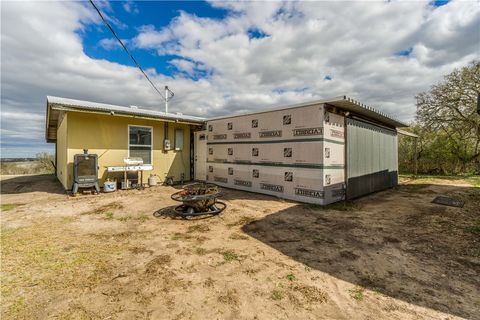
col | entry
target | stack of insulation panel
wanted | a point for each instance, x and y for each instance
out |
(295, 153)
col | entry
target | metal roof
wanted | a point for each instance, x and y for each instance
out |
(342, 102)
(55, 105)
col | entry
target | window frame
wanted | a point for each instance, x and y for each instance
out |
(141, 145)
(176, 148)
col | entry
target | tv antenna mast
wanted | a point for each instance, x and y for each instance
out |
(168, 96)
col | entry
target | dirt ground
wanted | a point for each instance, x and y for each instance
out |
(390, 255)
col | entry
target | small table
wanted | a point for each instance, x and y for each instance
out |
(137, 168)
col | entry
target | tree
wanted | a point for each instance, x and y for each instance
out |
(447, 116)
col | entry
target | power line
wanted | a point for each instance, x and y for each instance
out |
(125, 48)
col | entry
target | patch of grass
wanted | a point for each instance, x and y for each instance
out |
(291, 277)
(357, 293)
(475, 229)
(201, 251)
(230, 297)
(35, 257)
(209, 282)
(18, 306)
(311, 294)
(238, 236)
(308, 269)
(181, 236)
(230, 256)
(109, 215)
(9, 206)
(104, 209)
(277, 295)
(124, 218)
(442, 221)
(474, 181)
(412, 188)
(337, 206)
(142, 218)
(242, 221)
(198, 228)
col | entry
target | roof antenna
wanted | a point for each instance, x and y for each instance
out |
(168, 96)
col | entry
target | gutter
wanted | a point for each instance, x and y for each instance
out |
(124, 114)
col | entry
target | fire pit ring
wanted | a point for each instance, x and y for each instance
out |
(199, 199)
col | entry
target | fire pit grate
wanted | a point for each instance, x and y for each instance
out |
(199, 199)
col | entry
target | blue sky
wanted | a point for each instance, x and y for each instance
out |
(143, 13)
(225, 57)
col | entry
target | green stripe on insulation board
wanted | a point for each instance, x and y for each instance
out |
(290, 165)
(277, 141)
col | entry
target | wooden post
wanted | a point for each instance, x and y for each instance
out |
(415, 165)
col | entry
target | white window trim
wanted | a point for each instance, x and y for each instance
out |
(141, 145)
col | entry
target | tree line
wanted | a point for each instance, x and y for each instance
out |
(448, 126)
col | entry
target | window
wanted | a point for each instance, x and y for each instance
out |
(255, 123)
(230, 125)
(140, 143)
(178, 139)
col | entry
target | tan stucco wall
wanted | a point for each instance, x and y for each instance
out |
(62, 173)
(107, 136)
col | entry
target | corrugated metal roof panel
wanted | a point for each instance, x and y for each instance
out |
(95, 106)
(342, 102)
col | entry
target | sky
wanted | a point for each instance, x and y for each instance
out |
(225, 57)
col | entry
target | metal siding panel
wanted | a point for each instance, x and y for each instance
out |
(371, 159)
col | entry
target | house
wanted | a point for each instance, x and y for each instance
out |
(316, 152)
(117, 132)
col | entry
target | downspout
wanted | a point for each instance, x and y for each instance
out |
(345, 151)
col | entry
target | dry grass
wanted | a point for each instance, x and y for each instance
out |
(238, 236)
(9, 206)
(242, 221)
(53, 257)
(292, 262)
(106, 209)
(26, 167)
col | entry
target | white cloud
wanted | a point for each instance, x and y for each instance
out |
(111, 43)
(130, 7)
(353, 42)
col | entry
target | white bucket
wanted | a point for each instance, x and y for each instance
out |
(109, 186)
(152, 180)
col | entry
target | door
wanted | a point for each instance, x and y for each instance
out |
(200, 162)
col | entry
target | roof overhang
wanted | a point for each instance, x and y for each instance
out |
(344, 103)
(57, 106)
(347, 104)
(406, 133)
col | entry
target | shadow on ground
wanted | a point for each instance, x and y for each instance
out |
(31, 183)
(395, 242)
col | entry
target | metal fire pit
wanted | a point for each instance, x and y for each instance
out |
(199, 199)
